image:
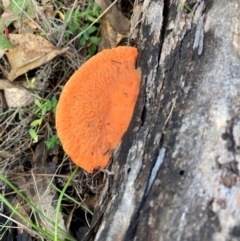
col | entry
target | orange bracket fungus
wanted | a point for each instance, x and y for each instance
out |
(96, 106)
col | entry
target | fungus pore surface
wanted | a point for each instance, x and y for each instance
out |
(96, 106)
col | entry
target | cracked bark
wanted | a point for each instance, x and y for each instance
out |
(177, 169)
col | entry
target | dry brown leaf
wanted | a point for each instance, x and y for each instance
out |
(5, 84)
(18, 97)
(22, 224)
(118, 21)
(114, 27)
(38, 189)
(109, 36)
(30, 52)
(43, 194)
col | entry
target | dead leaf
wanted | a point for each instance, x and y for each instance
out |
(115, 26)
(30, 52)
(18, 97)
(17, 93)
(118, 21)
(109, 36)
(38, 189)
(21, 209)
(5, 84)
(42, 193)
(113, 38)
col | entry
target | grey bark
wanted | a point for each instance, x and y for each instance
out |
(176, 173)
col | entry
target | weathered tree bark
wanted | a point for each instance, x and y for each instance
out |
(176, 174)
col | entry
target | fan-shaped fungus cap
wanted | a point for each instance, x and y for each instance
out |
(96, 106)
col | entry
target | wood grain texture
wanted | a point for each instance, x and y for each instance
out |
(177, 170)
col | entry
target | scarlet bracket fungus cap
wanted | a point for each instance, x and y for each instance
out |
(96, 106)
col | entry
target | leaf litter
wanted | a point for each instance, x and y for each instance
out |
(35, 64)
